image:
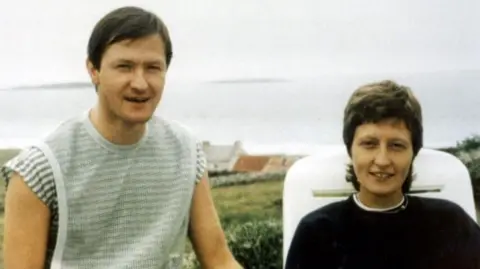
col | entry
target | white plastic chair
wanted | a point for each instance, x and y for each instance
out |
(318, 180)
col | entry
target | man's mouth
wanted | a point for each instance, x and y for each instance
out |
(381, 175)
(137, 99)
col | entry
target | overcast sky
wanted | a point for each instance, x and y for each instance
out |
(45, 41)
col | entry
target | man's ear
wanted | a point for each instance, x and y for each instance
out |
(92, 72)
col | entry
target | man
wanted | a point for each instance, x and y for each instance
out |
(116, 187)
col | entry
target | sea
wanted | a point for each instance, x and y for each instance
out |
(291, 116)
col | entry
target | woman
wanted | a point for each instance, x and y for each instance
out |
(380, 226)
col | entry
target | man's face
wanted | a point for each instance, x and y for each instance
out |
(131, 79)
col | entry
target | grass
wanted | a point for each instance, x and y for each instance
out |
(258, 201)
(7, 154)
(242, 203)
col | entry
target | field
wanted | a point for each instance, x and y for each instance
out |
(6, 154)
(258, 201)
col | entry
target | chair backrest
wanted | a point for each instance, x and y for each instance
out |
(318, 180)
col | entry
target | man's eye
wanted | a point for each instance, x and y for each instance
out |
(123, 66)
(154, 67)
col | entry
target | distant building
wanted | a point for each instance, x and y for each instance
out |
(264, 163)
(222, 157)
(280, 163)
(233, 158)
(251, 163)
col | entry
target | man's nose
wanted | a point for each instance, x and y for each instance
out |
(139, 82)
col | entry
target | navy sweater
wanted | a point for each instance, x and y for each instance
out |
(426, 234)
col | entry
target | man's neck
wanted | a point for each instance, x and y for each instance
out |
(115, 130)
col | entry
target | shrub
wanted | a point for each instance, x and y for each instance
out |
(255, 245)
(451, 150)
(245, 178)
(463, 151)
(474, 170)
(469, 143)
(221, 173)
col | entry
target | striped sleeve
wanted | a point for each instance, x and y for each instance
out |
(33, 166)
(201, 161)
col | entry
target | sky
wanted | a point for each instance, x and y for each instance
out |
(45, 41)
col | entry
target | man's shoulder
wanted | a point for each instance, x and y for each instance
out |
(172, 128)
(33, 155)
(33, 166)
(65, 129)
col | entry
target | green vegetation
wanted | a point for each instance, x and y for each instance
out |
(7, 154)
(470, 143)
(251, 215)
(243, 203)
(256, 244)
(468, 150)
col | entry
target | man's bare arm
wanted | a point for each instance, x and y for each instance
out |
(206, 234)
(26, 224)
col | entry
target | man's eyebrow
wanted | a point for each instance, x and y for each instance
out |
(155, 62)
(123, 60)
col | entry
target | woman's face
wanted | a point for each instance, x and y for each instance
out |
(382, 154)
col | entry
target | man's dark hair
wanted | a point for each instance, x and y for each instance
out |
(123, 24)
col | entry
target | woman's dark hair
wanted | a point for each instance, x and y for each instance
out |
(375, 102)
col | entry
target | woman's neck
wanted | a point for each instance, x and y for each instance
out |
(371, 202)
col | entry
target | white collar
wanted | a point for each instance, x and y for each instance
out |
(366, 208)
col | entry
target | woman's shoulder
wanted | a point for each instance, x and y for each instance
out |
(437, 205)
(442, 211)
(328, 214)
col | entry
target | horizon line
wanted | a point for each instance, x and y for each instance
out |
(233, 80)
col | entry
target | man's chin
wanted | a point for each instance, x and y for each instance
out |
(137, 119)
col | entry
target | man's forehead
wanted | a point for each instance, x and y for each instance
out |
(153, 39)
(120, 52)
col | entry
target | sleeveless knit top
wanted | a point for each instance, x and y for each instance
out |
(114, 206)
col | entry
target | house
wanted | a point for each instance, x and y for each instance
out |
(264, 163)
(222, 158)
(251, 163)
(280, 163)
